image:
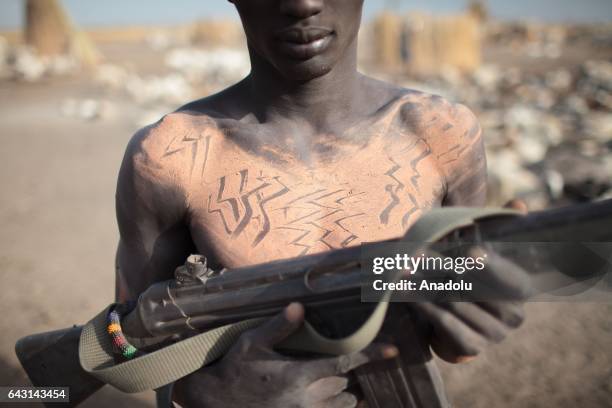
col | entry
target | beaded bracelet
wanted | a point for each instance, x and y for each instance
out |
(122, 346)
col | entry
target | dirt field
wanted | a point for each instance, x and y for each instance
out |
(59, 234)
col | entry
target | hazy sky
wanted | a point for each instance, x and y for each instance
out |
(118, 12)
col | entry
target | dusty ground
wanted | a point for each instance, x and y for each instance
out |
(58, 238)
(57, 214)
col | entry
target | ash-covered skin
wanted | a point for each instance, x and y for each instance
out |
(302, 156)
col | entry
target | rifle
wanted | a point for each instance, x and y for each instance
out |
(329, 286)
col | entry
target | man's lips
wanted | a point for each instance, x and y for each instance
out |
(304, 43)
(303, 35)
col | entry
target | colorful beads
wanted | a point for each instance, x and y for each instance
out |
(118, 338)
(113, 327)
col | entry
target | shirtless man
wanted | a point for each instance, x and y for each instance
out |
(302, 156)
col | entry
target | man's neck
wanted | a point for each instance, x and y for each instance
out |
(323, 103)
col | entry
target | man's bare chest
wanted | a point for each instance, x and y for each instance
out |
(245, 210)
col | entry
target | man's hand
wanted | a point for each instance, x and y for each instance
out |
(253, 375)
(461, 330)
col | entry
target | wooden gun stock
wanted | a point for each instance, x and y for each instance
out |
(51, 359)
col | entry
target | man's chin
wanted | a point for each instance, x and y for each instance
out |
(305, 70)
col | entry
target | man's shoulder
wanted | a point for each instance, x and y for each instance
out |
(453, 137)
(179, 126)
(157, 158)
(167, 143)
(226, 104)
(432, 116)
(425, 115)
(176, 131)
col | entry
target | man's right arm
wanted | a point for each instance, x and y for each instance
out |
(151, 215)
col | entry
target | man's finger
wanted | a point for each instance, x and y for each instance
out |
(510, 313)
(348, 362)
(517, 204)
(452, 337)
(279, 327)
(478, 319)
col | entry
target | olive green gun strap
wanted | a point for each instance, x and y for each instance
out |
(168, 364)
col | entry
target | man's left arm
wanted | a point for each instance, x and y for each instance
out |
(466, 173)
(461, 330)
